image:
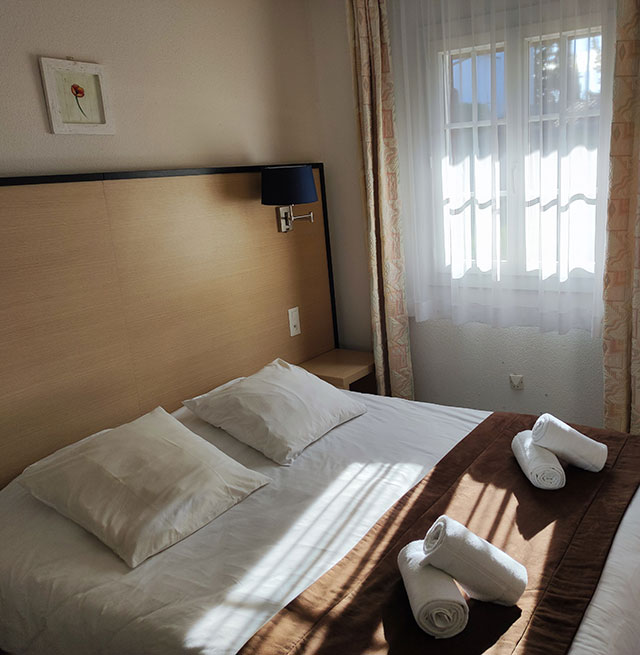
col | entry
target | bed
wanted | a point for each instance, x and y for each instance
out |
(126, 291)
(63, 591)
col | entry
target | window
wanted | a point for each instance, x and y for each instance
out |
(503, 139)
(470, 171)
(557, 152)
(561, 160)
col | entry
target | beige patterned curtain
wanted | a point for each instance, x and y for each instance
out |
(622, 264)
(390, 322)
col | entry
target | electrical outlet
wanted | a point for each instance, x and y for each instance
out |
(294, 322)
(516, 381)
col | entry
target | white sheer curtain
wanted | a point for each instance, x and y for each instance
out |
(504, 113)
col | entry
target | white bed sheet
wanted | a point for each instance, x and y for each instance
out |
(63, 591)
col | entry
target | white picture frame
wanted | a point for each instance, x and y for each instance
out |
(76, 96)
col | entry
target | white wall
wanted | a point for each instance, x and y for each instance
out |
(469, 366)
(197, 83)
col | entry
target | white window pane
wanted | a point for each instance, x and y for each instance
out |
(548, 255)
(581, 236)
(484, 237)
(580, 164)
(502, 234)
(532, 197)
(532, 236)
(501, 102)
(549, 199)
(446, 223)
(487, 176)
(485, 81)
(461, 247)
(459, 191)
(461, 88)
(549, 163)
(502, 147)
(541, 198)
(532, 164)
(459, 168)
(544, 77)
(534, 80)
(595, 72)
(541, 163)
(532, 176)
(584, 60)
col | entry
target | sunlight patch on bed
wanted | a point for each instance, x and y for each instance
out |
(332, 524)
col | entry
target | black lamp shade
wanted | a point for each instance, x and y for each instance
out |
(288, 185)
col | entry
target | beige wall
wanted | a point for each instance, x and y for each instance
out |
(340, 150)
(192, 83)
(198, 83)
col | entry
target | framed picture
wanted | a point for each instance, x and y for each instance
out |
(77, 98)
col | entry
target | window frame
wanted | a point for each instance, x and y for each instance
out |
(512, 270)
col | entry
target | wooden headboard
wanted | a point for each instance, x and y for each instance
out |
(124, 291)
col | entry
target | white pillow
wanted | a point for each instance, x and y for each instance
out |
(279, 410)
(143, 486)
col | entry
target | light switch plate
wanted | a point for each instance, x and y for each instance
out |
(294, 322)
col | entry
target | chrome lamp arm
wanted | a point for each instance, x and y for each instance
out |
(286, 217)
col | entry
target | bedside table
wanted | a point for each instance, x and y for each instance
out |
(340, 367)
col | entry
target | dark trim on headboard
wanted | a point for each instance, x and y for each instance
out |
(327, 238)
(176, 172)
(51, 179)
(124, 175)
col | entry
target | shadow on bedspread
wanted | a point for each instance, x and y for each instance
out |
(360, 607)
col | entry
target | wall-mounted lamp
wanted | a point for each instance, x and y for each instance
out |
(287, 186)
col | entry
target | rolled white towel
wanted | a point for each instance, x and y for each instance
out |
(540, 465)
(482, 570)
(436, 602)
(573, 446)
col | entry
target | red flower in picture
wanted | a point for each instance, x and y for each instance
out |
(78, 92)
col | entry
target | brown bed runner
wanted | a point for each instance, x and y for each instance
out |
(360, 607)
